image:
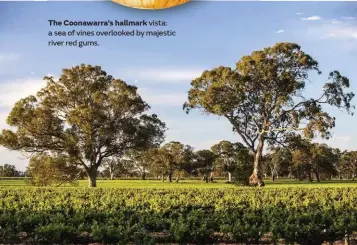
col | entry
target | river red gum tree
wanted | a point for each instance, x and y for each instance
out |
(263, 98)
(85, 115)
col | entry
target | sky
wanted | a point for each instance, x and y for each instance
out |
(209, 34)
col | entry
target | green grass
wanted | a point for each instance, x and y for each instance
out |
(157, 184)
(283, 183)
(12, 183)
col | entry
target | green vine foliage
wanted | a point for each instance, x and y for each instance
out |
(122, 216)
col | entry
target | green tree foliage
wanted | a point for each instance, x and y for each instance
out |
(49, 170)
(176, 150)
(278, 162)
(349, 163)
(323, 160)
(115, 167)
(86, 115)
(161, 162)
(8, 170)
(205, 163)
(173, 158)
(337, 164)
(262, 98)
(188, 161)
(140, 160)
(312, 159)
(181, 159)
(244, 166)
(230, 156)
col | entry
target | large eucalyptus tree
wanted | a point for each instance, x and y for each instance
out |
(86, 115)
(263, 98)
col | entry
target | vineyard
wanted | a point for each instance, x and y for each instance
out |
(201, 216)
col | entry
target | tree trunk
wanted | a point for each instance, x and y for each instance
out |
(229, 177)
(309, 176)
(273, 177)
(211, 177)
(205, 178)
(169, 177)
(317, 175)
(92, 177)
(347, 239)
(143, 176)
(256, 178)
(111, 176)
(163, 177)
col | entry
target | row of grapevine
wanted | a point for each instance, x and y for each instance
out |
(149, 216)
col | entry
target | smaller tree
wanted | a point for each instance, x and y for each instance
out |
(161, 162)
(188, 164)
(205, 162)
(244, 166)
(176, 150)
(301, 164)
(181, 159)
(228, 155)
(278, 162)
(311, 158)
(140, 160)
(48, 170)
(337, 164)
(349, 163)
(322, 159)
(9, 171)
(114, 167)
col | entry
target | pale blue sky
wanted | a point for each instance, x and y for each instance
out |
(209, 34)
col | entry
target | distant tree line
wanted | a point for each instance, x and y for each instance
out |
(304, 160)
(300, 159)
(8, 170)
(174, 161)
(170, 162)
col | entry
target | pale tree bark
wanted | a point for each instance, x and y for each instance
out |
(143, 175)
(229, 177)
(273, 172)
(111, 171)
(256, 178)
(111, 176)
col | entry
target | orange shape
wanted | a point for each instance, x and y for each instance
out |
(151, 4)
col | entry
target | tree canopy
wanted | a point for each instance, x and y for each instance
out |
(263, 98)
(230, 156)
(86, 115)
